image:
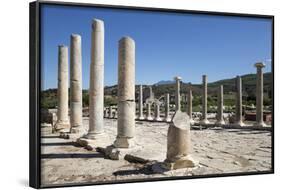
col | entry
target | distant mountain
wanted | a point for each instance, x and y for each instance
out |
(165, 82)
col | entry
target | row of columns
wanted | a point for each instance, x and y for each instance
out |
(126, 90)
(204, 119)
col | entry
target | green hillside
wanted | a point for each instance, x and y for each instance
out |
(49, 99)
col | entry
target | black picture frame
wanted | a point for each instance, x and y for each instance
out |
(35, 86)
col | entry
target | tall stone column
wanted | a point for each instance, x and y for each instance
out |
(126, 94)
(220, 120)
(179, 143)
(148, 111)
(167, 108)
(204, 120)
(76, 118)
(96, 92)
(178, 95)
(189, 104)
(63, 121)
(238, 104)
(140, 104)
(157, 111)
(259, 95)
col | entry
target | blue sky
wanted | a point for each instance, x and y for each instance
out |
(167, 44)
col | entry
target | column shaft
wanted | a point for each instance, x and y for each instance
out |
(76, 84)
(96, 92)
(126, 93)
(63, 121)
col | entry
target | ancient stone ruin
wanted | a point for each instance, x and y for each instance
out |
(126, 113)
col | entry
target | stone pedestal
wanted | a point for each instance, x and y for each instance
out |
(238, 103)
(167, 108)
(177, 94)
(76, 118)
(259, 95)
(220, 120)
(179, 143)
(140, 104)
(189, 104)
(204, 120)
(96, 91)
(62, 124)
(126, 94)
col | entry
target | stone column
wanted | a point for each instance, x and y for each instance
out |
(259, 95)
(189, 104)
(178, 95)
(167, 108)
(126, 94)
(76, 118)
(148, 111)
(238, 104)
(157, 111)
(110, 112)
(179, 143)
(140, 104)
(96, 92)
(63, 121)
(204, 119)
(220, 120)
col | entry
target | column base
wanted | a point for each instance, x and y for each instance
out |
(260, 124)
(149, 118)
(191, 122)
(62, 126)
(184, 162)
(167, 119)
(124, 142)
(91, 141)
(221, 122)
(141, 118)
(158, 119)
(204, 122)
(239, 124)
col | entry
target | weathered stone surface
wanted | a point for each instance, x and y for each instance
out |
(96, 91)
(220, 120)
(219, 152)
(126, 94)
(63, 121)
(179, 143)
(76, 85)
(238, 103)
(204, 120)
(259, 95)
(148, 111)
(167, 108)
(177, 94)
(157, 111)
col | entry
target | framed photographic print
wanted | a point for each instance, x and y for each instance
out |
(130, 94)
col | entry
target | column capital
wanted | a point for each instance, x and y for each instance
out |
(177, 78)
(259, 65)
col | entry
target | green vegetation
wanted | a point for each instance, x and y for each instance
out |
(49, 97)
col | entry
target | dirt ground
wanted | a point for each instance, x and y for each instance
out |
(217, 150)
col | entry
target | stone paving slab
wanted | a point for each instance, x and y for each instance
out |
(218, 151)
